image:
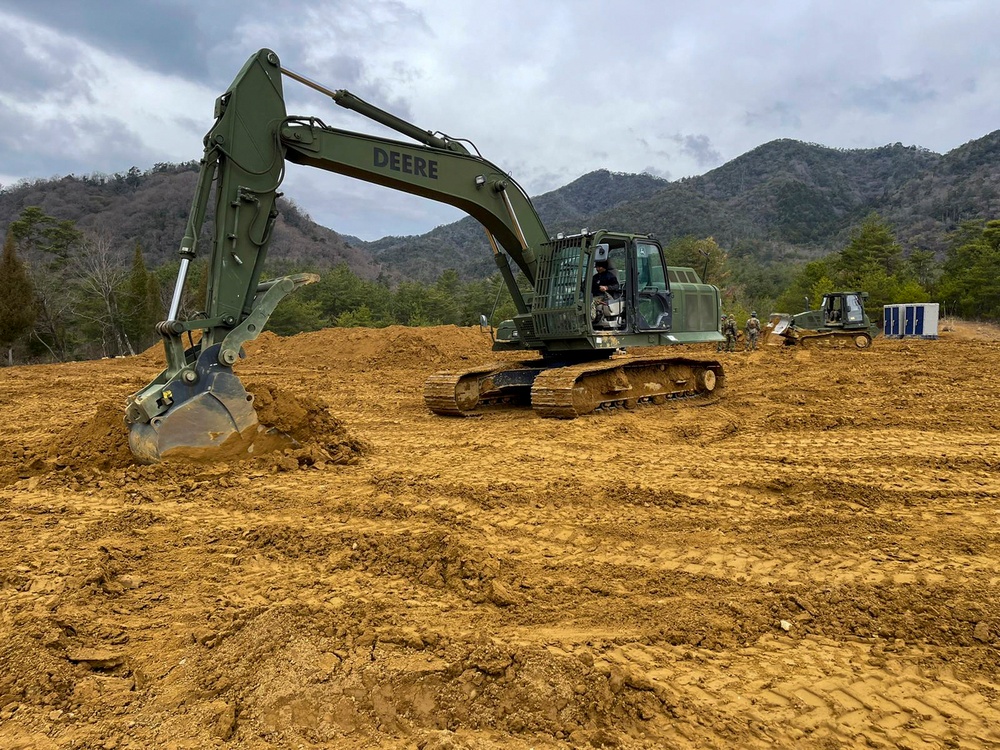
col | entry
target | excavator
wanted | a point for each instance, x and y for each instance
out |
(198, 409)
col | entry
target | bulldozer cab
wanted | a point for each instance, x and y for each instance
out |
(843, 309)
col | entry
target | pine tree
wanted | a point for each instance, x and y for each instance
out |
(48, 245)
(141, 303)
(872, 246)
(17, 298)
(970, 284)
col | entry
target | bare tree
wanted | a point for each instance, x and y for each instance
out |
(100, 272)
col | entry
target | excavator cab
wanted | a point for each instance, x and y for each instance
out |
(654, 298)
(609, 308)
(642, 302)
(655, 305)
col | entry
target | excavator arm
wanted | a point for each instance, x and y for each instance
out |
(196, 407)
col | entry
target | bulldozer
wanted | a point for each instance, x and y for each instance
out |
(198, 409)
(841, 317)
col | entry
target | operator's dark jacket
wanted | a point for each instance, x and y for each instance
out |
(605, 278)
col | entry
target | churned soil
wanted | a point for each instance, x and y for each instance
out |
(808, 561)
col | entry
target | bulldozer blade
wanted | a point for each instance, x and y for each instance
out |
(212, 420)
(774, 331)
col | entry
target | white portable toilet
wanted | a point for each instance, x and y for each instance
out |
(911, 320)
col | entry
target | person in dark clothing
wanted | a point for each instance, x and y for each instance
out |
(603, 288)
(605, 281)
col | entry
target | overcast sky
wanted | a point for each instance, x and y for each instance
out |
(547, 89)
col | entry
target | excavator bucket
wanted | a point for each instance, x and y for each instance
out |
(775, 329)
(211, 419)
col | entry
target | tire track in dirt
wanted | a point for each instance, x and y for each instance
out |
(822, 690)
(804, 563)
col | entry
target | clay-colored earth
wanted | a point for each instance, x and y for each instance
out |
(808, 562)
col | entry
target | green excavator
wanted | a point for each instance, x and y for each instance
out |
(197, 408)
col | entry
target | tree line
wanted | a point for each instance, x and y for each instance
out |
(68, 294)
(966, 283)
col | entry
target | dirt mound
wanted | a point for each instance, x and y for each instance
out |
(394, 347)
(323, 439)
(99, 443)
(953, 328)
(95, 444)
(806, 561)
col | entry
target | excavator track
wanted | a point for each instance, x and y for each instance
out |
(572, 390)
(465, 393)
(569, 392)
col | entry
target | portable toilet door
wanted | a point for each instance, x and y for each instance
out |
(925, 320)
(890, 318)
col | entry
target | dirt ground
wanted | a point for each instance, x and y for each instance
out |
(808, 562)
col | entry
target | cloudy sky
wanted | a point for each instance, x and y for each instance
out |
(547, 89)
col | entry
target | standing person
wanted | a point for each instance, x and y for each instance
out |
(752, 330)
(729, 330)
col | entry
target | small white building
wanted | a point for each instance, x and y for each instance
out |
(911, 320)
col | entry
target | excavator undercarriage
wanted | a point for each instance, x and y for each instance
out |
(572, 390)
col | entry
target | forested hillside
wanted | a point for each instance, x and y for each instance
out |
(150, 209)
(89, 263)
(792, 199)
(784, 199)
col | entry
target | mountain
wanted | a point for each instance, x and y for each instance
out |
(151, 208)
(783, 199)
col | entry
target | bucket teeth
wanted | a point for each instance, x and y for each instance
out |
(211, 417)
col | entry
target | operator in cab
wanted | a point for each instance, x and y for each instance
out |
(604, 287)
(605, 283)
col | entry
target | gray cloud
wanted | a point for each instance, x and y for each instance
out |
(779, 116)
(345, 44)
(80, 150)
(116, 83)
(162, 35)
(888, 95)
(28, 71)
(700, 148)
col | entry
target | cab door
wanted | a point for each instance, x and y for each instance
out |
(855, 310)
(650, 292)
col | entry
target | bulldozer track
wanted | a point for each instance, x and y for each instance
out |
(860, 339)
